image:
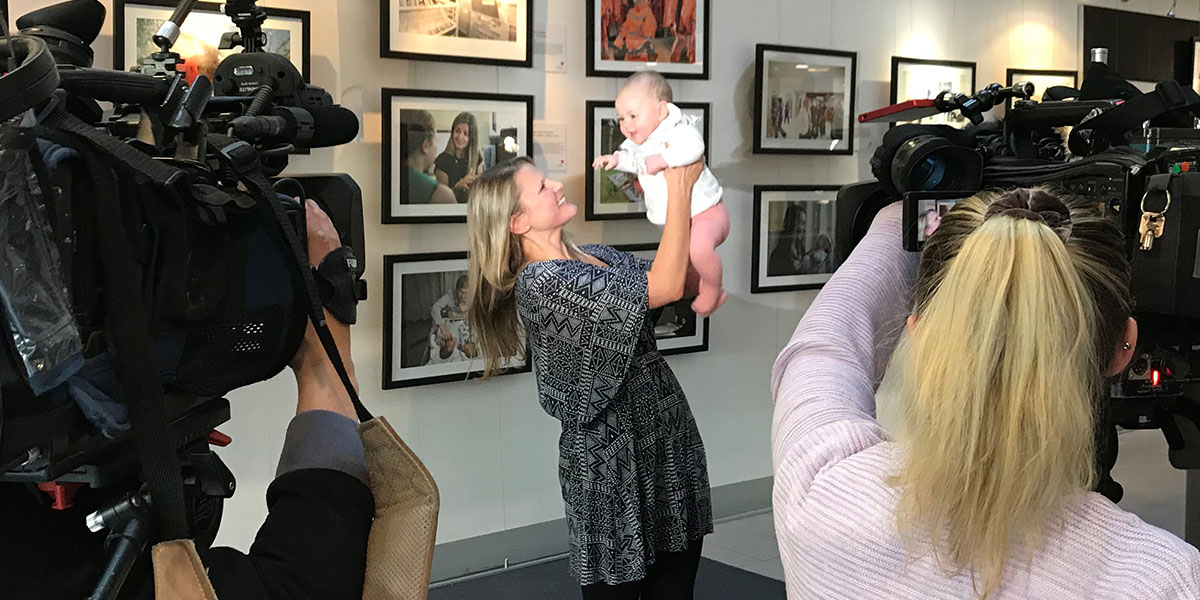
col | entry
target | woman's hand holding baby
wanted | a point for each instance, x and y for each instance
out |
(606, 161)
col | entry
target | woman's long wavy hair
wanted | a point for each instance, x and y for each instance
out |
(1002, 372)
(495, 260)
(473, 155)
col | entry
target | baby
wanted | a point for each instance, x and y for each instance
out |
(657, 136)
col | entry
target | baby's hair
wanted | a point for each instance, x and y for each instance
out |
(652, 82)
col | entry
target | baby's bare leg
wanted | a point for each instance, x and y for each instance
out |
(709, 230)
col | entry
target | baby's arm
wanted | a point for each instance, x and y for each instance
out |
(626, 162)
(684, 146)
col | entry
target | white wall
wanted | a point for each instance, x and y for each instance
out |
(490, 447)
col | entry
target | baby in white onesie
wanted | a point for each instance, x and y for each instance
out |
(657, 136)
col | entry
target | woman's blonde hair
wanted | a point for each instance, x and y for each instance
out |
(473, 155)
(495, 260)
(1021, 299)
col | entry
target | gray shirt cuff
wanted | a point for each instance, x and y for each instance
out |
(322, 439)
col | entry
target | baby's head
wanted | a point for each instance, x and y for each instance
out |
(642, 104)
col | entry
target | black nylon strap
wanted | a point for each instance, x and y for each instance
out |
(127, 327)
(243, 159)
(156, 171)
(1129, 115)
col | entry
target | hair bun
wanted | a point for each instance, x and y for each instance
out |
(1034, 205)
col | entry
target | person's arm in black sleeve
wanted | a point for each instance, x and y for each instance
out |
(313, 544)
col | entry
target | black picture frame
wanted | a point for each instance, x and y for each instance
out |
(460, 370)
(119, 8)
(1011, 78)
(590, 176)
(760, 279)
(458, 212)
(477, 57)
(698, 341)
(596, 67)
(761, 144)
(898, 61)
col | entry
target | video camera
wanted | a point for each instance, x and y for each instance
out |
(1135, 155)
(153, 262)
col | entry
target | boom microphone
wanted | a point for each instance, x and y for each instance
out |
(316, 127)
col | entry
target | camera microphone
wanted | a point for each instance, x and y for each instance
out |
(316, 127)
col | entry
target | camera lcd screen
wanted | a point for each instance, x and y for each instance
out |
(923, 213)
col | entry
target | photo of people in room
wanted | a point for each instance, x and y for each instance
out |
(800, 237)
(662, 31)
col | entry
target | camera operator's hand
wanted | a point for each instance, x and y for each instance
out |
(320, 388)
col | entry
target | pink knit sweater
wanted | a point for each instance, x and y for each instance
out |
(834, 511)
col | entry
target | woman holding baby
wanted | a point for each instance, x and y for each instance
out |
(631, 462)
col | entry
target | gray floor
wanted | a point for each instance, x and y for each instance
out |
(1153, 490)
(747, 543)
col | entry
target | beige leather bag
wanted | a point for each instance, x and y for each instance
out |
(400, 546)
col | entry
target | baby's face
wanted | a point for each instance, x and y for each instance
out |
(639, 113)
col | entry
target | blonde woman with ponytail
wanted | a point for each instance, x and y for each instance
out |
(1016, 311)
(631, 462)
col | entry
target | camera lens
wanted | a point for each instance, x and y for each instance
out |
(929, 174)
(929, 163)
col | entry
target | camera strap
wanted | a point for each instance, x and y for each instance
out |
(243, 160)
(126, 323)
(1131, 114)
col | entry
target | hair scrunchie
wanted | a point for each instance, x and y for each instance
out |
(1034, 205)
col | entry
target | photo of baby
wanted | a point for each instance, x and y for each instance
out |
(435, 329)
(427, 336)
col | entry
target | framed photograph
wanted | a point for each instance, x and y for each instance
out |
(426, 338)
(795, 237)
(803, 100)
(436, 143)
(1042, 80)
(677, 329)
(135, 23)
(613, 194)
(484, 32)
(921, 79)
(1196, 64)
(669, 36)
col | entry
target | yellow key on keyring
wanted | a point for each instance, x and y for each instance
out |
(1152, 223)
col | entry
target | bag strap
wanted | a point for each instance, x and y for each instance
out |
(242, 159)
(126, 322)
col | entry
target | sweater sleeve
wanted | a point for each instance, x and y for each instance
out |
(824, 380)
(626, 161)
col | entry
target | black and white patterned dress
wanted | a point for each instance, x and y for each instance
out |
(631, 463)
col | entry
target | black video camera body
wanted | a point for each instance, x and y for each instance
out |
(1137, 159)
(159, 262)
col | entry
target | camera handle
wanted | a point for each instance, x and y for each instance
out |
(249, 18)
(129, 527)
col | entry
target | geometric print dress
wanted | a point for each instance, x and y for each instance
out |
(631, 464)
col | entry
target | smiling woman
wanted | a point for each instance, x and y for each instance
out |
(585, 313)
